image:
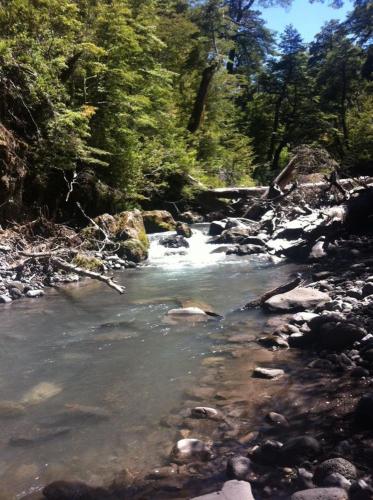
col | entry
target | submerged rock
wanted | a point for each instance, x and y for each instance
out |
(11, 409)
(37, 435)
(191, 449)
(66, 490)
(41, 392)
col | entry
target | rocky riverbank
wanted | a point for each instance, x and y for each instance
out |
(299, 424)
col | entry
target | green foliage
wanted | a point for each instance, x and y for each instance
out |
(111, 85)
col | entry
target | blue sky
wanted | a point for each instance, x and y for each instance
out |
(307, 18)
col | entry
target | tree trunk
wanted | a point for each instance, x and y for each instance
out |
(276, 123)
(201, 98)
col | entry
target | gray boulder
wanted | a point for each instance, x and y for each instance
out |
(296, 300)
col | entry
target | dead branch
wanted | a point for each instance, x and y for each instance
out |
(62, 264)
(276, 291)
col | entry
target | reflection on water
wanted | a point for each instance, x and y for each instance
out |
(86, 375)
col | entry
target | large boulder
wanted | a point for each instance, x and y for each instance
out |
(158, 221)
(296, 300)
(125, 229)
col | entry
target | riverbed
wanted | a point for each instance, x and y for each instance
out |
(94, 374)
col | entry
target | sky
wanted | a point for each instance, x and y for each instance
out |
(307, 18)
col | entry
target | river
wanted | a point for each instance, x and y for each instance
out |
(84, 346)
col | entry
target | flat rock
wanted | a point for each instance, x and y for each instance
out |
(268, 373)
(204, 412)
(321, 494)
(298, 299)
(232, 490)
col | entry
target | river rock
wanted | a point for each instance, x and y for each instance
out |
(34, 293)
(304, 317)
(277, 419)
(267, 453)
(204, 412)
(66, 490)
(216, 227)
(232, 490)
(182, 229)
(158, 221)
(238, 467)
(191, 449)
(297, 450)
(336, 480)
(5, 299)
(37, 435)
(174, 242)
(268, 373)
(321, 494)
(364, 410)
(332, 466)
(245, 250)
(298, 299)
(76, 413)
(41, 392)
(336, 335)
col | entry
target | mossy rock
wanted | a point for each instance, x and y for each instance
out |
(133, 250)
(88, 262)
(158, 221)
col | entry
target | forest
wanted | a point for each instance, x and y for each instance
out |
(134, 103)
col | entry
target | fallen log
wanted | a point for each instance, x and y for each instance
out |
(259, 191)
(276, 291)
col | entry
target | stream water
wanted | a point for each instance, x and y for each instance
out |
(85, 346)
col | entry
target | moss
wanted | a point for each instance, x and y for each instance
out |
(133, 250)
(87, 262)
(158, 221)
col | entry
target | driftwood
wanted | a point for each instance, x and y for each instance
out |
(258, 192)
(62, 264)
(276, 291)
(56, 261)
